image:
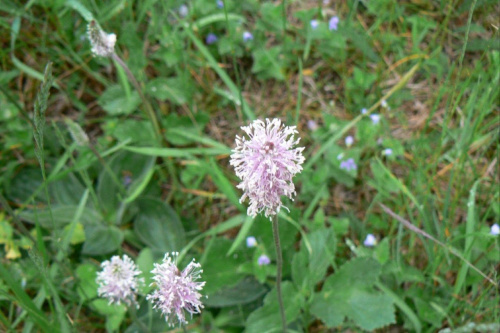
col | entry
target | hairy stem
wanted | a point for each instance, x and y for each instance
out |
(279, 262)
(149, 109)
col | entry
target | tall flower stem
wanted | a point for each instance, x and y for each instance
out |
(279, 262)
(149, 109)
(133, 314)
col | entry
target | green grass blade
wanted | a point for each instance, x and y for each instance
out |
(247, 225)
(400, 303)
(38, 317)
(233, 222)
(222, 74)
(177, 152)
(339, 134)
(469, 237)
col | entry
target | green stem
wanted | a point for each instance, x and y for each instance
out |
(133, 314)
(149, 109)
(279, 262)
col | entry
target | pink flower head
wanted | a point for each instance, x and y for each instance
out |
(118, 281)
(177, 292)
(266, 163)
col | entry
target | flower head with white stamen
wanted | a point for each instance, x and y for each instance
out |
(118, 281)
(176, 291)
(266, 162)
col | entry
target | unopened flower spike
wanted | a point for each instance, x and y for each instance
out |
(118, 281)
(176, 291)
(103, 44)
(266, 162)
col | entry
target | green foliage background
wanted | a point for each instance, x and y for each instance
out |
(84, 175)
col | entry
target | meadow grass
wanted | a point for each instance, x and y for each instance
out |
(129, 154)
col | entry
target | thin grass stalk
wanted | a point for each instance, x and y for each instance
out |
(279, 263)
(419, 231)
(149, 109)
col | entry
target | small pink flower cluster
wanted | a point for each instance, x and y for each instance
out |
(266, 163)
(176, 293)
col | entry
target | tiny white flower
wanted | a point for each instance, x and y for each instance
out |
(312, 125)
(314, 24)
(251, 241)
(183, 10)
(364, 111)
(340, 156)
(495, 230)
(247, 36)
(263, 260)
(349, 140)
(370, 240)
(387, 152)
(375, 118)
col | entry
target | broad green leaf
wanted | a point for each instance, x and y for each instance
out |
(267, 64)
(310, 268)
(63, 214)
(145, 262)
(114, 313)
(67, 191)
(86, 274)
(172, 89)
(222, 271)
(349, 293)
(159, 226)
(115, 101)
(246, 291)
(267, 319)
(371, 311)
(101, 239)
(136, 131)
(382, 251)
(129, 170)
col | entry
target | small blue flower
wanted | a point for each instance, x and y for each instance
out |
(364, 111)
(251, 241)
(375, 118)
(348, 165)
(263, 260)
(127, 180)
(333, 23)
(340, 156)
(349, 140)
(211, 38)
(495, 230)
(370, 240)
(220, 4)
(384, 104)
(314, 24)
(183, 10)
(387, 152)
(312, 125)
(247, 36)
